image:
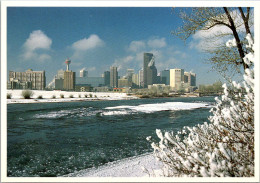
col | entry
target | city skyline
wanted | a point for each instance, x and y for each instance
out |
(176, 78)
(97, 38)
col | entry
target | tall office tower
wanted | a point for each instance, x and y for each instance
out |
(147, 59)
(176, 78)
(129, 74)
(124, 82)
(113, 77)
(29, 79)
(151, 73)
(193, 79)
(59, 80)
(69, 78)
(190, 78)
(135, 80)
(141, 78)
(107, 78)
(83, 73)
(165, 77)
(186, 77)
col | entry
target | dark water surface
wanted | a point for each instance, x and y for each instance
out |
(54, 139)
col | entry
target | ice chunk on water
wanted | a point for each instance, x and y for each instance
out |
(150, 108)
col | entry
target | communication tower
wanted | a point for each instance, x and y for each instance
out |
(67, 62)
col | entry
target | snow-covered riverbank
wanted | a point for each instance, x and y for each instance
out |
(131, 167)
(55, 96)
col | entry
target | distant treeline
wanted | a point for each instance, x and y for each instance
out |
(214, 88)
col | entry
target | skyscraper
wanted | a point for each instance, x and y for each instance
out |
(113, 77)
(69, 78)
(124, 82)
(83, 73)
(141, 78)
(59, 80)
(149, 70)
(129, 74)
(147, 59)
(29, 79)
(151, 73)
(190, 78)
(193, 79)
(107, 78)
(176, 78)
(165, 77)
(135, 80)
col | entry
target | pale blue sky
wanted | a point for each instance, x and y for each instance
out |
(96, 38)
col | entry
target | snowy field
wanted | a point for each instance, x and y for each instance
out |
(131, 167)
(47, 96)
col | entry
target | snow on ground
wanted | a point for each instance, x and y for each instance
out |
(130, 167)
(47, 96)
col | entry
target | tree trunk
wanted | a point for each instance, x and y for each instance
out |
(239, 44)
(245, 19)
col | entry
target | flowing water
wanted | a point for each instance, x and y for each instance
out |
(55, 139)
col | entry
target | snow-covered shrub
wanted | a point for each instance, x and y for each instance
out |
(9, 96)
(39, 97)
(27, 94)
(223, 147)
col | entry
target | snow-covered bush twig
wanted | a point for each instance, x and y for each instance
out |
(223, 147)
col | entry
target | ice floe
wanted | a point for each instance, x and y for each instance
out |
(150, 108)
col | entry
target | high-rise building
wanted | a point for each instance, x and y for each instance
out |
(113, 77)
(59, 80)
(58, 84)
(151, 73)
(147, 59)
(124, 82)
(141, 78)
(193, 79)
(129, 74)
(83, 73)
(165, 77)
(35, 80)
(69, 78)
(107, 78)
(186, 77)
(135, 80)
(149, 70)
(190, 78)
(176, 78)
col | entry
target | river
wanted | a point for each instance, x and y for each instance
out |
(55, 139)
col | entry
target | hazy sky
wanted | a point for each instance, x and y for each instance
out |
(97, 38)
